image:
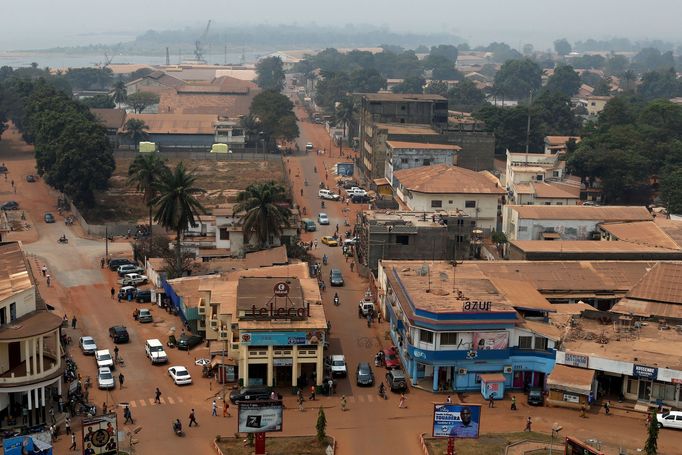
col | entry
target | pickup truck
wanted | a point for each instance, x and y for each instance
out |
(327, 194)
(337, 365)
(133, 279)
(355, 191)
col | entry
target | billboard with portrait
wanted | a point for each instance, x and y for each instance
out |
(456, 420)
(491, 340)
(260, 416)
(100, 435)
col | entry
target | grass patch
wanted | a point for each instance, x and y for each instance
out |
(489, 444)
(276, 445)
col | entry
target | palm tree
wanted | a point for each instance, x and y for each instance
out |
(136, 130)
(251, 126)
(120, 93)
(144, 173)
(265, 214)
(629, 78)
(176, 203)
(344, 113)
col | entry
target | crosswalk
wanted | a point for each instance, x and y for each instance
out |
(144, 402)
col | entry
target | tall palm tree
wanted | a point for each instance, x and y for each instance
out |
(629, 78)
(344, 113)
(120, 93)
(176, 203)
(136, 130)
(265, 212)
(251, 126)
(144, 173)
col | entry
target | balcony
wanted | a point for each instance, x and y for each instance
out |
(17, 376)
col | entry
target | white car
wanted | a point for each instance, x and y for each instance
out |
(356, 191)
(322, 218)
(328, 194)
(672, 419)
(337, 364)
(309, 146)
(133, 279)
(87, 345)
(104, 359)
(128, 268)
(105, 380)
(180, 375)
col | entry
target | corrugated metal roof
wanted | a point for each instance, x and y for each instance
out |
(577, 380)
(663, 283)
(445, 179)
(582, 212)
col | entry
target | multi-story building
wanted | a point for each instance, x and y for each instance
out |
(408, 155)
(30, 350)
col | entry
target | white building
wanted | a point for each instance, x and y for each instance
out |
(450, 188)
(408, 155)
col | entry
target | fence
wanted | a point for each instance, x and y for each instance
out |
(202, 154)
(109, 229)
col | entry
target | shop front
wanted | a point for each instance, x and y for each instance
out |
(570, 387)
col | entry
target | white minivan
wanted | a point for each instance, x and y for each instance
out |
(155, 352)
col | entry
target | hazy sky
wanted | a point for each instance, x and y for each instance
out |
(30, 24)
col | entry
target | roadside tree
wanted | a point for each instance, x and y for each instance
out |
(136, 130)
(410, 85)
(275, 112)
(120, 93)
(270, 74)
(140, 101)
(265, 213)
(562, 47)
(144, 174)
(517, 78)
(564, 80)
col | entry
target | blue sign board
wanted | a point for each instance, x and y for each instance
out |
(281, 338)
(456, 420)
(345, 169)
(15, 446)
(644, 372)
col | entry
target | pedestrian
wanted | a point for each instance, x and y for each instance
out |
(51, 412)
(337, 228)
(648, 420)
(529, 422)
(44, 270)
(344, 403)
(379, 317)
(401, 403)
(104, 408)
(491, 400)
(301, 192)
(157, 396)
(67, 425)
(101, 263)
(330, 383)
(128, 415)
(121, 378)
(73, 443)
(116, 355)
(352, 264)
(590, 399)
(113, 292)
(312, 393)
(193, 418)
(48, 278)
(583, 408)
(300, 402)
(12, 182)
(74, 321)
(315, 243)
(448, 400)
(513, 403)
(214, 409)
(226, 407)
(607, 407)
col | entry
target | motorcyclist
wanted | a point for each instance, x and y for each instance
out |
(382, 390)
(62, 238)
(324, 259)
(322, 204)
(336, 298)
(177, 426)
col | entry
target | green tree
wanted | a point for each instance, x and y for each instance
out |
(465, 96)
(603, 87)
(264, 212)
(410, 85)
(502, 52)
(139, 101)
(617, 64)
(345, 111)
(435, 87)
(447, 51)
(651, 444)
(275, 113)
(442, 68)
(99, 101)
(136, 130)
(651, 59)
(332, 88)
(89, 78)
(144, 174)
(660, 84)
(551, 114)
(366, 81)
(120, 93)
(564, 80)
(629, 79)
(562, 47)
(671, 191)
(177, 205)
(517, 78)
(270, 74)
(321, 426)
(251, 126)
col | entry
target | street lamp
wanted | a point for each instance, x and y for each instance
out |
(556, 428)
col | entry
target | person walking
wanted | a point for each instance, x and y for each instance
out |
(193, 418)
(491, 400)
(448, 400)
(330, 383)
(121, 378)
(113, 292)
(49, 280)
(44, 270)
(73, 446)
(344, 403)
(312, 393)
(583, 408)
(67, 425)
(352, 265)
(74, 321)
(214, 409)
(104, 408)
(101, 263)
(226, 407)
(300, 402)
(116, 355)
(607, 407)
(401, 403)
(157, 396)
(128, 415)
(529, 422)
(513, 403)
(52, 418)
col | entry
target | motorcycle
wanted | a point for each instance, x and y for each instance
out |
(63, 239)
(382, 392)
(324, 259)
(322, 203)
(177, 429)
(336, 300)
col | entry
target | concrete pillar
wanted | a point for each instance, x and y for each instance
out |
(27, 355)
(41, 350)
(34, 342)
(413, 374)
(271, 368)
(294, 366)
(436, 370)
(244, 364)
(319, 365)
(29, 395)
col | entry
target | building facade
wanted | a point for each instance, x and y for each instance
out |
(408, 155)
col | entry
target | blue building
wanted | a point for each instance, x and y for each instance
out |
(459, 331)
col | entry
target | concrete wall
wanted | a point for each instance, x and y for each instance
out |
(478, 149)
(415, 158)
(203, 154)
(485, 212)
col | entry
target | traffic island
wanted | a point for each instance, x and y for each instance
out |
(276, 445)
(486, 444)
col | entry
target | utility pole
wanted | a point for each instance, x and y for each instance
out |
(167, 57)
(530, 101)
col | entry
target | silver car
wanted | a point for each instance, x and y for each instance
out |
(87, 345)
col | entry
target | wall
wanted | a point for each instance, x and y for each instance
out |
(485, 212)
(204, 155)
(478, 149)
(25, 302)
(415, 158)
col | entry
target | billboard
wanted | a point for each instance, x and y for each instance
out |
(345, 169)
(491, 340)
(260, 416)
(456, 420)
(99, 435)
(281, 338)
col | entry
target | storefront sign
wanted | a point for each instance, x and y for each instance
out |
(281, 289)
(571, 398)
(281, 338)
(282, 362)
(491, 340)
(270, 311)
(644, 372)
(260, 416)
(477, 305)
(576, 360)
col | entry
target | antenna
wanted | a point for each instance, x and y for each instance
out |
(167, 57)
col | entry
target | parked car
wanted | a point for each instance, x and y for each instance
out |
(251, 393)
(128, 268)
(48, 218)
(396, 380)
(119, 334)
(115, 263)
(391, 359)
(144, 315)
(364, 374)
(9, 205)
(337, 365)
(308, 225)
(105, 380)
(3, 169)
(154, 350)
(536, 397)
(365, 306)
(356, 191)
(360, 199)
(30, 178)
(323, 219)
(143, 296)
(180, 375)
(87, 345)
(328, 194)
(329, 240)
(125, 290)
(348, 184)
(309, 146)
(104, 359)
(187, 342)
(672, 419)
(134, 279)
(335, 277)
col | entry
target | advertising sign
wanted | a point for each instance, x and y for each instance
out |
(281, 338)
(260, 416)
(345, 169)
(491, 340)
(576, 360)
(456, 420)
(99, 435)
(644, 372)
(18, 445)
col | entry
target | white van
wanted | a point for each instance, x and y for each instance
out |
(328, 194)
(155, 352)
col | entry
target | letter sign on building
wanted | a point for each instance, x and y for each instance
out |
(281, 289)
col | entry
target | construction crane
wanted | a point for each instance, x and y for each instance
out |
(198, 51)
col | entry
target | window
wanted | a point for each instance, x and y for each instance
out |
(448, 338)
(538, 178)
(3, 316)
(559, 203)
(450, 202)
(425, 336)
(525, 342)
(436, 204)
(402, 239)
(404, 160)
(237, 132)
(523, 228)
(12, 311)
(470, 204)
(224, 234)
(555, 173)
(548, 203)
(426, 162)
(541, 343)
(633, 386)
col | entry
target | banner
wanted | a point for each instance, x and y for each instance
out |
(99, 435)
(456, 420)
(282, 338)
(484, 341)
(260, 416)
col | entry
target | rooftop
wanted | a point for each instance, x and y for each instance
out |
(14, 274)
(582, 212)
(444, 179)
(642, 233)
(580, 246)
(110, 118)
(408, 218)
(178, 123)
(404, 97)
(573, 379)
(421, 145)
(267, 258)
(554, 190)
(560, 140)
(407, 128)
